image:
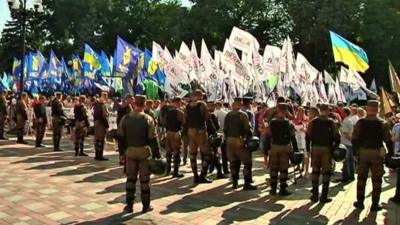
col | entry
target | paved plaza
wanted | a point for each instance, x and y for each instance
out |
(39, 187)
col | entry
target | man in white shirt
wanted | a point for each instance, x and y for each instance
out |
(220, 112)
(346, 130)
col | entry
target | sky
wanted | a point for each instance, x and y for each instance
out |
(5, 12)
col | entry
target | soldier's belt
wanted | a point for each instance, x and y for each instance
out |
(321, 148)
(280, 147)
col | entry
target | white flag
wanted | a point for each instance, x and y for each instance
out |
(158, 54)
(230, 62)
(271, 59)
(244, 41)
(286, 65)
(185, 61)
(305, 72)
(339, 93)
(208, 67)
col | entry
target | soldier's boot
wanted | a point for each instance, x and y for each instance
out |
(248, 178)
(129, 206)
(314, 192)
(212, 164)
(283, 183)
(76, 149)
(247, 184)
(169, 161)
(273, 188)
(81, 149)
(235, 179)
(376, 192)
(359, 204)
(101, 151)
(146, 207)
(177, 162)
(204, 168)
(324, 194)
(2, 135)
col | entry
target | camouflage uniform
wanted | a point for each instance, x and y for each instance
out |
(58, 119)
(236, 130)
(100, 128)
(137, 133)
(80, 128)
(41, 123)
(196, 115)
(3, 114)
(367, 139)
(173, 124)
(281, 134)
(21, 112)
(323, 135)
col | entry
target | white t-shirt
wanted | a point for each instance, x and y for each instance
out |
(220, 114)
(301, 135)
(347, 127)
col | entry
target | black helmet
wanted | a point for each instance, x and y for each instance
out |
(253, 144)
(215, 140)
(339, 153)
(392, 162)
(296, 157)
(157, 166)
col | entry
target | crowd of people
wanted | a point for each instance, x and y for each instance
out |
(219, 132)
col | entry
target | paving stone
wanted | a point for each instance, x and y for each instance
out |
(58, 215)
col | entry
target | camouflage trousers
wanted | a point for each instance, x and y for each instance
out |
(370, 159)
(237, 154)
(321, 162)
(79, 137)
(198, 140)
(279, 163)
(20, 125)
(173, 147)
(100, 132)
(40, 131)
(58, 128)
(2, 121)
(137, 165)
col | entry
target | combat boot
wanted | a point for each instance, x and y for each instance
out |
(247, 184)
(324, 195)
(146, 207)
(235, 184)
(315, 193)
(375, 203)
(128, 208)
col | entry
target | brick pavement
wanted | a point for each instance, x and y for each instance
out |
(44, 187)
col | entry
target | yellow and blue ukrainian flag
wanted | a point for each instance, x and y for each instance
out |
(349, 53)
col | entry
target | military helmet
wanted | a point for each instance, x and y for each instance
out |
(296, 157)
(157, 166)
(339, 153)
(253, 144)
(392, 162)
(215, 140)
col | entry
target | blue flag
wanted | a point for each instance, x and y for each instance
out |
(54, 68)
(126, 58)
(16, 69)
(105, 65)
(91, 63)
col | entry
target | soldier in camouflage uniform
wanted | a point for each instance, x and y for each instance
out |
(173, 124)
(137, 134)
(80, 126)
(21, 112)
(123, 110)
(196, 115)
(40, 120)
(3, 114)
(236, 130)
(322, 137)
(58, 119)
(100, 116)
(368, 136)
(281, 134)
